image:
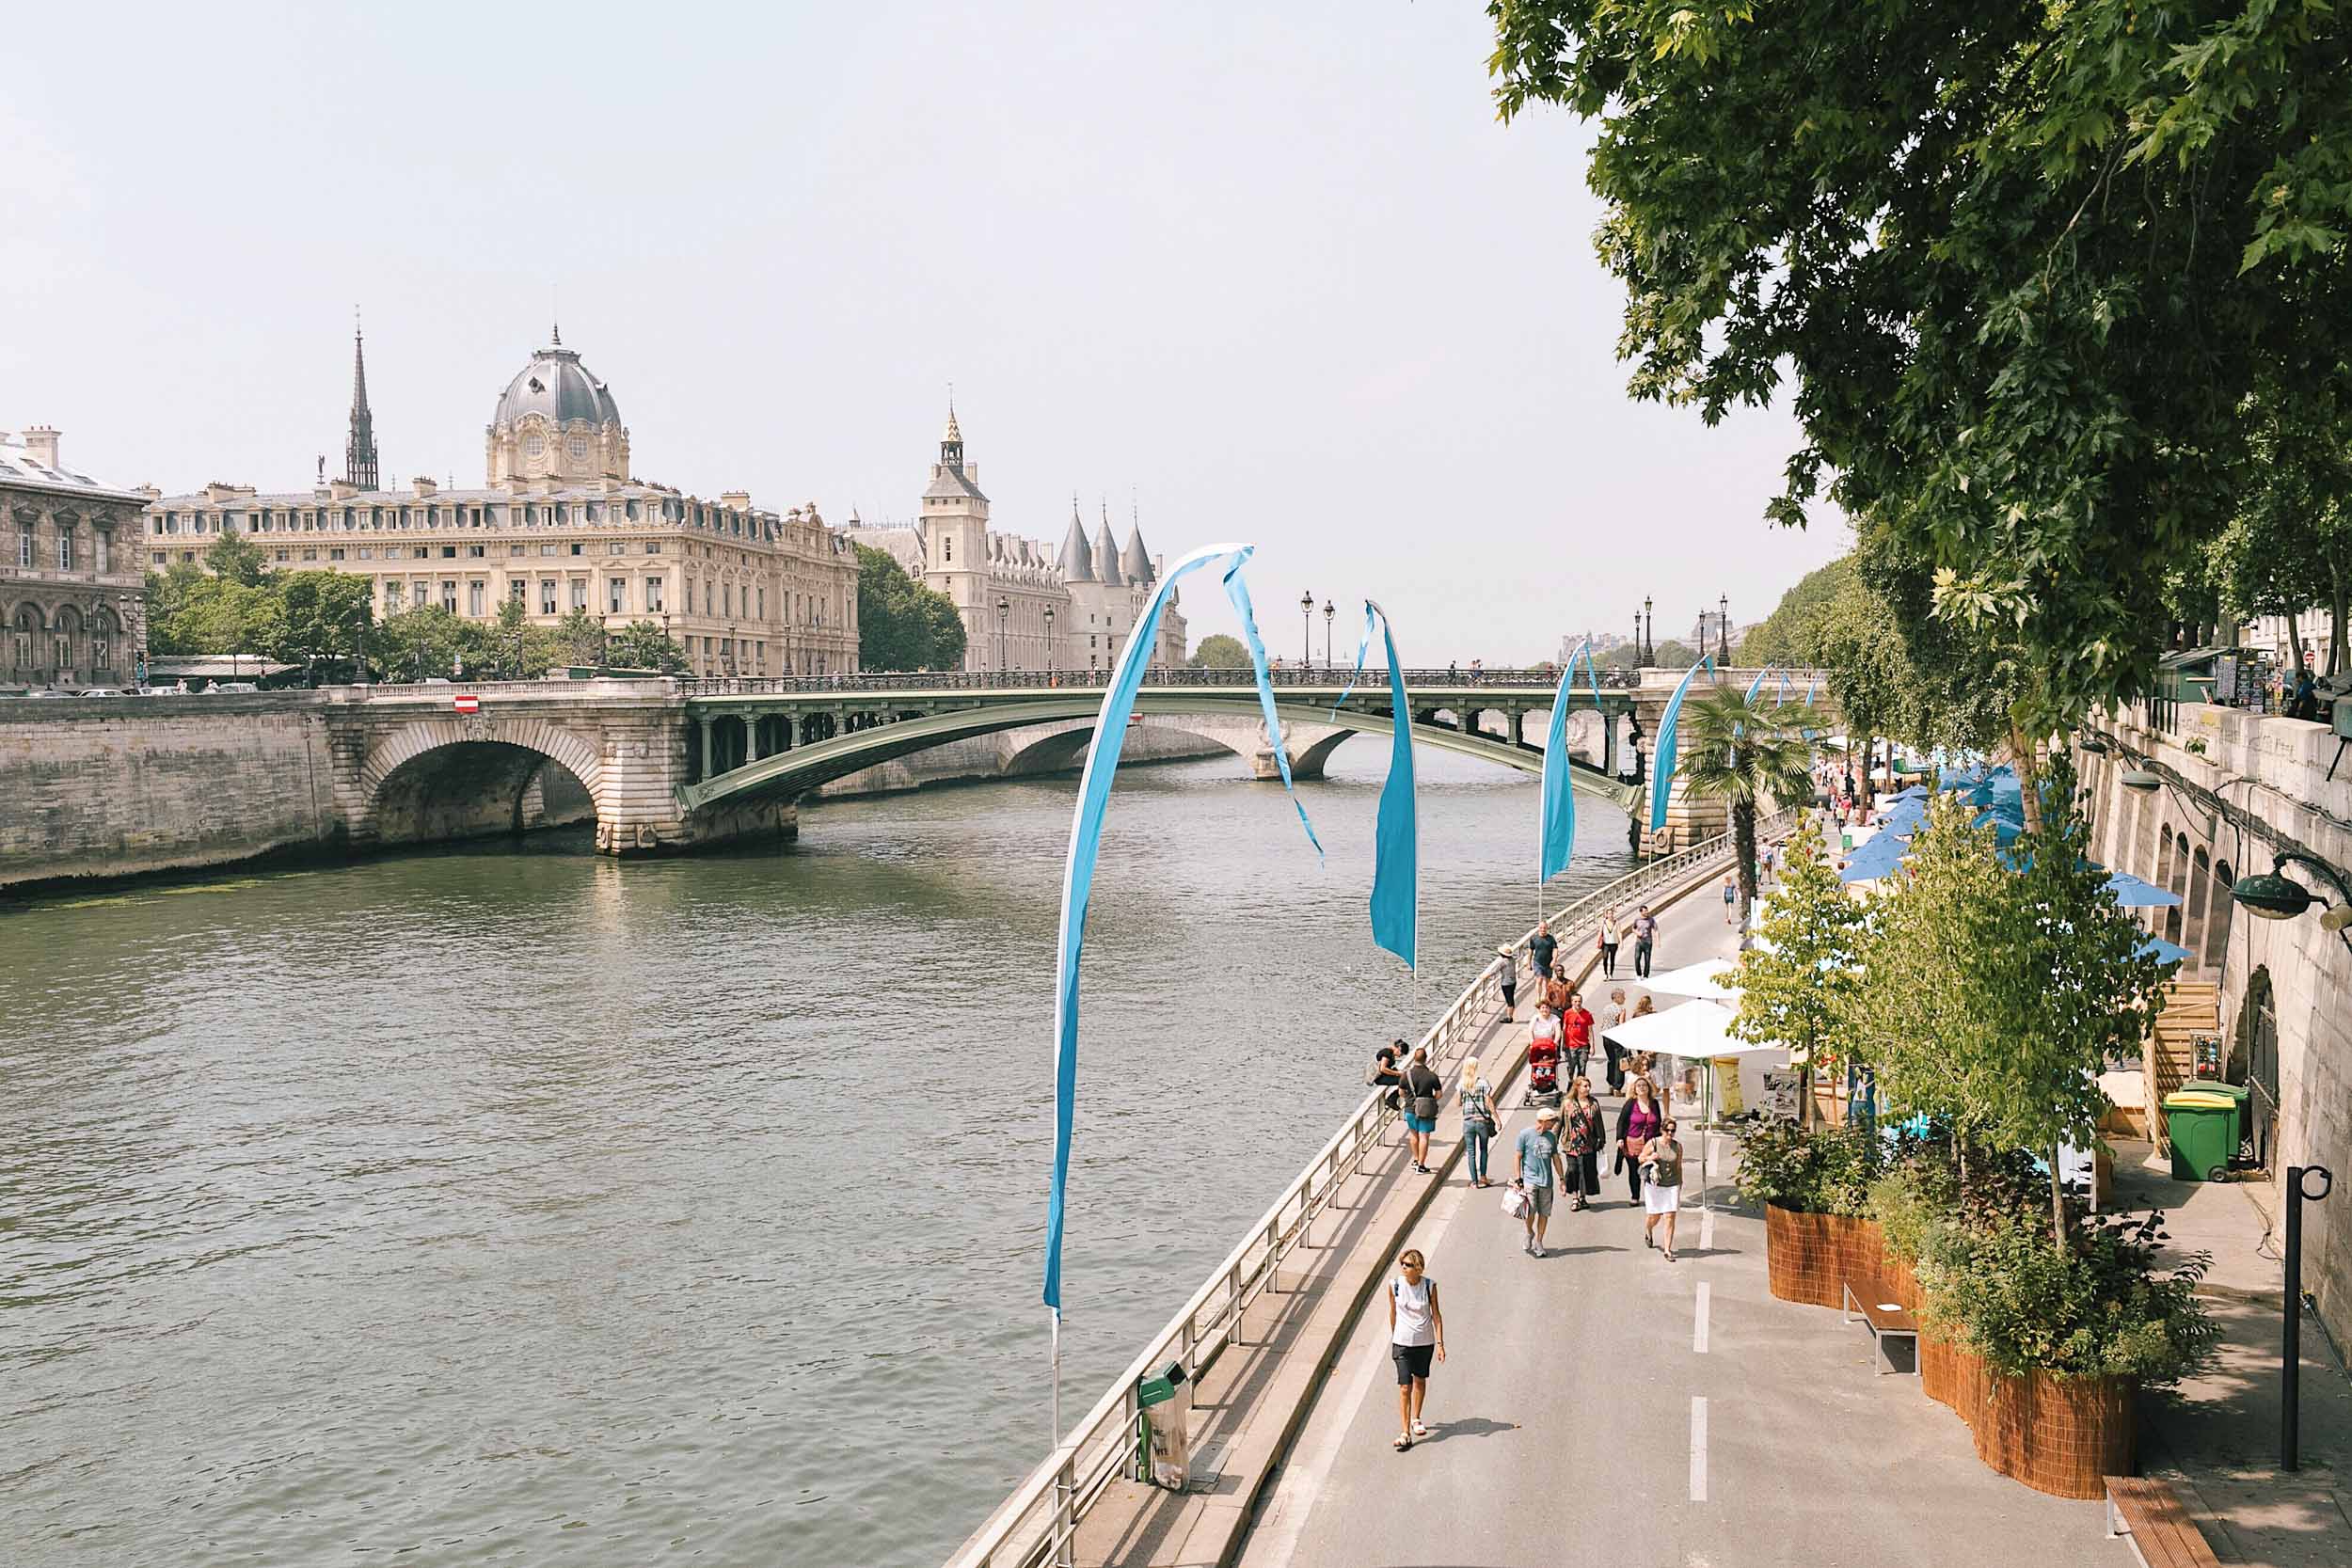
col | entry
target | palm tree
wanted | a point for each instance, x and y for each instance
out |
(1737, 750)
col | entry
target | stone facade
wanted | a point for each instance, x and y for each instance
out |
(561, 527)
(1021, 609)
(2256, 785)
(70, 579)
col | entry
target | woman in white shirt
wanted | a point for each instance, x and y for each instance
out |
(1416, 1332)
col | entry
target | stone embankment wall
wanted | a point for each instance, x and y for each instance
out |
(117, 787)
(2263, 785)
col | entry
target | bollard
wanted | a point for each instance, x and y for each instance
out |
(2290, 1391)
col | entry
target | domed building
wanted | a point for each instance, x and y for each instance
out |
(556, 420)
(561, 527)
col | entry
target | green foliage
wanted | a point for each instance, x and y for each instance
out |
(643, 645)
(579, 639)
(321, 614)
(425, 642)
(1738, 750)
(512, 649)
(1815, 1170)
(1795, 984)
(902, 625)
(1217, 650)
(190, 611)
(2026, 267)
(233, 558)
(1790, 636)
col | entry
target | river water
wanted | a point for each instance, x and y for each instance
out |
(509, 1205)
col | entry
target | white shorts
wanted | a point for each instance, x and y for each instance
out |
(1662, 1200)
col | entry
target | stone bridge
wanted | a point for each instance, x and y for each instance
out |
(667, 766)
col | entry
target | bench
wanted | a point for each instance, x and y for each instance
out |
(2161, 1533)
(1886, 1319)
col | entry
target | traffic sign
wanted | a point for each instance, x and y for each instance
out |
(464, 702)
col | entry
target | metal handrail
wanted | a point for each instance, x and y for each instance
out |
(1035, 1527)
(1161, 675)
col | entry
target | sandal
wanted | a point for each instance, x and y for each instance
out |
(1401, 1442)
(1420, 1431)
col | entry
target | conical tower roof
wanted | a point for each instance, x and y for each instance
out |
(1135, 562)
(1106, 553)
(1076, 562)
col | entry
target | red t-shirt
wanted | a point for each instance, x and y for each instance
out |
(1577, 1028)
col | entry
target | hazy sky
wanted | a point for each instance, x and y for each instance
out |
(1278, 272)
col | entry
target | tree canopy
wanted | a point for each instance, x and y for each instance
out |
(2027, 266)
(1217, 650)
(902, 625)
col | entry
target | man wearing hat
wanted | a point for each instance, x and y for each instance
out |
(1539, 1174)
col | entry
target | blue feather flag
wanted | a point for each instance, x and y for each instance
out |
(1663, 764)
(1397, 836)
(1559, 834)
(1757, 682)
(1085, 838)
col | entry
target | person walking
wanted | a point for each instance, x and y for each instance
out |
(1638, 1121)
(1663, 1160)
(1731, 898)
(1416, 1334)
(1580, 1137)
(1480, 1121)
(1611, 1017)
(1644, 936)
(1557, 991)
(1510, 984)
(1607, 939)
(1576, 1034)
(1541, 948)
(1535, 1160)
(1543, 1055)
(1423, 1089)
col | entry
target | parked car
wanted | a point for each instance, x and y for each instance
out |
(235, 686)
(104, 691)
(160, 691)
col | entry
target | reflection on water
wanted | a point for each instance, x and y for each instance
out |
(475, 1206)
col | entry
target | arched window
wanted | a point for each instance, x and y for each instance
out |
(2218, 920)
(2200, 897)
(2254, 1062)
(2176, 879)
(2164, 865)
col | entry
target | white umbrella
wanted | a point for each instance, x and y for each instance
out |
(1703, 979)
(1696, 1029)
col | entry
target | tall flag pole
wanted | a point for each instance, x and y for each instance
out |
(1663, 764)
(1086, 839)
(1559, 803)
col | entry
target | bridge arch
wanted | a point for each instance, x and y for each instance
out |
(476, 777)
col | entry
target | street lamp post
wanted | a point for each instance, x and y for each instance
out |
(1306, 631)
(1004, 613)
(1050, 660)
(1328, 613)
(134, 608)
(1649, 631)
(1722, 630)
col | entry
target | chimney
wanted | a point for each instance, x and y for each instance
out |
(424, 485)
(42, 441)
(738, 500)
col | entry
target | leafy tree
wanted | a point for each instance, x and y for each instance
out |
(2026, 267)
(427, 642)
(2289, 546)
(902, 625)
(1790, 636)
(323, 614)
(643, 645)
(579, 639)
(1991, 997)
(233, 558)
(1736, 750)
(1217, 650)
(1796, 984)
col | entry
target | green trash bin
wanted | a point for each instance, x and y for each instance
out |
(2204, 1129)
(2242, 1128)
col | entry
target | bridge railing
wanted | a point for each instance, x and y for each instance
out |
(1372, 683)
(1037, 1525)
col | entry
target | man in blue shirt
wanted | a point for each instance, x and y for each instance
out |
(1539, 1166)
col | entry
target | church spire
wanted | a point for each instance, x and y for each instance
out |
(359, 461)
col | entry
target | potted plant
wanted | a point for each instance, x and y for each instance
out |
(1814, 1186)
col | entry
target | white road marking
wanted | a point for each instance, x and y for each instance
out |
(1698, 1330)
(1698, 1449)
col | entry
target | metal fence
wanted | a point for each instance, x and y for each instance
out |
(1373, 682)
(1038, 1525)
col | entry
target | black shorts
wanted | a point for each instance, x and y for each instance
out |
(1412, 1361)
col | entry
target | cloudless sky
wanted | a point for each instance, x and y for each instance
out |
(1278, 272)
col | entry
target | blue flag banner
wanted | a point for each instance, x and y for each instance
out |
(1396, 860)
(1661, 775)
(1559, 837)
(1756, 683)
(1809, 686)
(1086, 837)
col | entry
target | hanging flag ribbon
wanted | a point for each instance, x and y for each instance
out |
(1786, 685)
(1757, 682)
(1663, 763)
(1559, 834)
(1086, 836)
(1396, 838)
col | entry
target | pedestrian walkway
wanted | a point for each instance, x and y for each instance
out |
(1602, 1407)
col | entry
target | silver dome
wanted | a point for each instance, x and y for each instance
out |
(558, 388)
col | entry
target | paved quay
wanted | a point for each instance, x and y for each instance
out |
(1602, 1407)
